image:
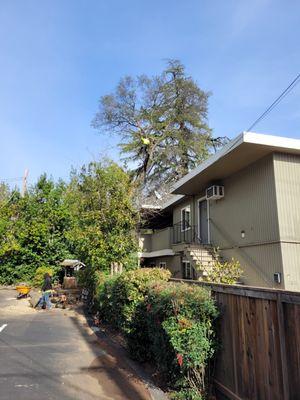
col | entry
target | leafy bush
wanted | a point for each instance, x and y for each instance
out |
(168, 324)
(227, 272)
(119, 296)
(174, 329)
(39, 275)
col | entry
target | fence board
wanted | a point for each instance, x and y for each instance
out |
(259, 330)
(292, 326)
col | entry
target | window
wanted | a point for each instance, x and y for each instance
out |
(187, 270)
(163, 265)
(186, 218)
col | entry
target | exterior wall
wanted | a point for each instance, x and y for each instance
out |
(291, 265)
(259, 263)
(161, 239)
(173, 263)
(158, 240)
(179, 207)
(263, 201)
(249, 206)
(287, 178)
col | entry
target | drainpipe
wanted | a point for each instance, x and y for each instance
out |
(208, 220)
(194, 210)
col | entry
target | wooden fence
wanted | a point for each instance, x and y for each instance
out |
(260, 335)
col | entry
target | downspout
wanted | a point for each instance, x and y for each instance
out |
(208, 221)
(195, 221)
(194, 210)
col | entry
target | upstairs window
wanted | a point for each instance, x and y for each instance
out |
(186, 218)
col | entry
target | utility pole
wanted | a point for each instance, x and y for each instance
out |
(24, 185)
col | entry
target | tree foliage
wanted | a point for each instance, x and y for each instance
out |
(32, 230)
(92, 219)
(100, 198)
(162, 123)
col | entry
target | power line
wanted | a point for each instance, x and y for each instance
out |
(277, 101)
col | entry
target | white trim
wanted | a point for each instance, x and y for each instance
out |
(157, 253)
(198, 214)
(162, 264)
(276, 143)
(187, 207)
(208, 221)
(208, 225)
(226, 149)
(271, 140)
(190, 269)
(150, 207)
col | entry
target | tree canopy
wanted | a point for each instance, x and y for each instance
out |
(162, 124)
(32, 230)
(100, 199)
(91, 218)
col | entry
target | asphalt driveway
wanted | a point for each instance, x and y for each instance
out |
(55, 355)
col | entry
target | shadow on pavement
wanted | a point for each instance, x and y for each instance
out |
(110, 368)
(35, 370)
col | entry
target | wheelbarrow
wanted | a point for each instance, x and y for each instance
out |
(23, 291)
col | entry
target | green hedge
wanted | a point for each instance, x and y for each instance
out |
(119, 296)
(168, 324)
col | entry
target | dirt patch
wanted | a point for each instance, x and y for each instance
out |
(12, 306)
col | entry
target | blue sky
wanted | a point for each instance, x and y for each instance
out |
(58, 57)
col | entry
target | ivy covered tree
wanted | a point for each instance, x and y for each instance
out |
(162, 124)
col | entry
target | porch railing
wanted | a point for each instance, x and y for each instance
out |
(185, 233)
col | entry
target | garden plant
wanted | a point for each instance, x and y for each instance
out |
(170, 325)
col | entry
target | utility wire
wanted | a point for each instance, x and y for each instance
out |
(277, 101)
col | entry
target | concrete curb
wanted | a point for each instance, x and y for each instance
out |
(155, 392)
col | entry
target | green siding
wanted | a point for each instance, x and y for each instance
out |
(249, 205)
(161, 239)
(287, 175)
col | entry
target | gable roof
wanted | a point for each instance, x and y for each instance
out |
(240, 152)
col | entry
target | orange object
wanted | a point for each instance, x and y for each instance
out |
(23, 289)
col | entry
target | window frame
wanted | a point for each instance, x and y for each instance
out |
(186, 263)
(185, 227)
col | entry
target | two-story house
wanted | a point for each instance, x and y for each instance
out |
(245, 201)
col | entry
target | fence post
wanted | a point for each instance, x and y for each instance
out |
(282, 341)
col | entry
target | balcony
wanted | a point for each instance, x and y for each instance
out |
(159, 242)
(184, 233)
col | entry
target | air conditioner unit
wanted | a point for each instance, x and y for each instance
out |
(215, 192)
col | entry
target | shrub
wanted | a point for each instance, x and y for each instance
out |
(120, 295)
(90, 278)
(39, 275)
(174, 329)
(227, 272)
(166, 323)
(220, 271)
